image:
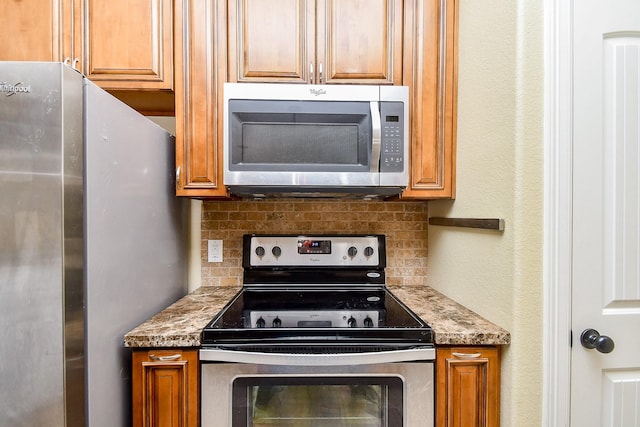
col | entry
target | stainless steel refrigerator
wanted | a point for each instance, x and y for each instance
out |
(93, 241)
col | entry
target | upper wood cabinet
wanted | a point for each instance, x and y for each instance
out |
(315, 41)
(431, 69)
(251, 41)
(129, 44)
(36, 30)
(200, 75)
(129, 51)
(410, 42)
(124, 46)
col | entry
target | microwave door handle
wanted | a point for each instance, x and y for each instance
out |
(375, 137)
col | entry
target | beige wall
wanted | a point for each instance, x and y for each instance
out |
(499, 174)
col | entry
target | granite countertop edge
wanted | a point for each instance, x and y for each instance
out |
(180, 324)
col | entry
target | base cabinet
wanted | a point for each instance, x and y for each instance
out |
(165, 388)
(468, 386)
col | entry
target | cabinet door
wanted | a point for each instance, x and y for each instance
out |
(36, 30)
(316, 41)
(468, 387)
(200, 75)
(431, 72)
(165, 388)
(129, 44)
(271, 40)
(359, 41)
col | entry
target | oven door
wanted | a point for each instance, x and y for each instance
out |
(305, 393)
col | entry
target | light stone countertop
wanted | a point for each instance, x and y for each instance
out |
(180, 324)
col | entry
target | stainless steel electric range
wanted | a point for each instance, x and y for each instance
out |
(314, 321)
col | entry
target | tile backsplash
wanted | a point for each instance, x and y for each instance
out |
(404, 224)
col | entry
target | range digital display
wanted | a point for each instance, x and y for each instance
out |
(308, 246)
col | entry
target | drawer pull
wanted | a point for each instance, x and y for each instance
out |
(165, 358)
(466, 355)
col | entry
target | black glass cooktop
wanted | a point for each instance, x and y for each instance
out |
(395, 324)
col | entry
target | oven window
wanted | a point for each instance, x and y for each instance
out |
(317, 401)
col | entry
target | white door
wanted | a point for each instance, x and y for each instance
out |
(605, 387)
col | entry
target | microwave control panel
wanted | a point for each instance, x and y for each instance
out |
(392, 153)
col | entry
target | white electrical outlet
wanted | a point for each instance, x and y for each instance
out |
(214, 253)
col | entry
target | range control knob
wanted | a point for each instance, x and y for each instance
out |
(277, 322)
(352, 322)
(368, 251)
(368, 323)
(276, 251)
(260, 251)
(260, 323)
(352, 251)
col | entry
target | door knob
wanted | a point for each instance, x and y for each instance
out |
(590, 338)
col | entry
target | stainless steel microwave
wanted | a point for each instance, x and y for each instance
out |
(294, 140)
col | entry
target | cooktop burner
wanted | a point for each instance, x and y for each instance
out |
(313, 291)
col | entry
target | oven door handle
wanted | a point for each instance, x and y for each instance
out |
(333, 359)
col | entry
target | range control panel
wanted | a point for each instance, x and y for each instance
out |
(314, 251)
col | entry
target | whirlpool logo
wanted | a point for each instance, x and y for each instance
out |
(9, 89)
(318, 92)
